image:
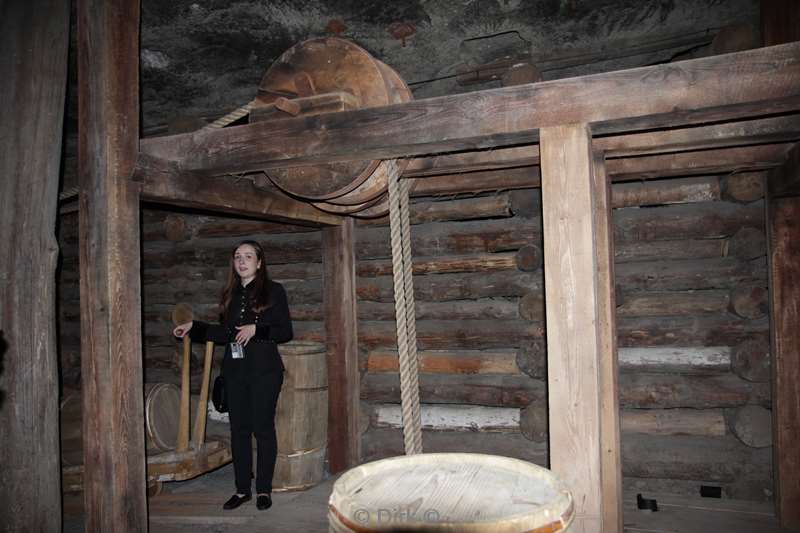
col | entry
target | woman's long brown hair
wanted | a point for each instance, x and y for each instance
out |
(260, 283)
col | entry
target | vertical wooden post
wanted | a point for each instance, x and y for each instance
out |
(34, 37)
(572, 295)
(111, 348)
(783, 228)
(780, 22)
(611, 464)
(339, 296)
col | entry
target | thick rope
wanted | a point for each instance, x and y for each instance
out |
(221, 122)
(411, 317)
(231, 117)
(404, 310)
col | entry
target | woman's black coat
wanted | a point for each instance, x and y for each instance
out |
(273, 326)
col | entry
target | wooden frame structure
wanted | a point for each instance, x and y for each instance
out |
(718, 114)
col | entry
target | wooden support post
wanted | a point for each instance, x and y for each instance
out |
(339, 295)
(780, 22)
(34, 37)
(611, 465)
(572, 295)
(783, 227)
(114, 476)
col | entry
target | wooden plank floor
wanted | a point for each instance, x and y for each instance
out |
(195, 506)
(684, 514)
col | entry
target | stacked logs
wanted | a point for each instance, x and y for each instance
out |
(691, 315)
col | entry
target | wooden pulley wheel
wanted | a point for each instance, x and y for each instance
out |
(380, 208)
(322, 66)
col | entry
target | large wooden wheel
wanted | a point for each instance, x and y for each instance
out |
(330, 65)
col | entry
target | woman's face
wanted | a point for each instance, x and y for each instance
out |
(246, 263)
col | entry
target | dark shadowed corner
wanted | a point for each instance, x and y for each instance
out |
(3, 348)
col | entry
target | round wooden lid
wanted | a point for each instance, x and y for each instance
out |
(450, 491)
(301, 347)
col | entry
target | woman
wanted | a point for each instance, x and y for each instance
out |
(254, 319)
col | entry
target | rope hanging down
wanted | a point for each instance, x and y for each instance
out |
(404, 309)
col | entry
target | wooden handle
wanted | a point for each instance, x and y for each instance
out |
(199, 435)
(287, 106)
(183, 421)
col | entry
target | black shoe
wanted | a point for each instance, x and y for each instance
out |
(235, 501)
(263, 502)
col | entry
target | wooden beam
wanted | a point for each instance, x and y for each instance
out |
(739, 133)
(785, 180)
(719, 87)
(111, 346)
(715, 161)
(238, 197)
(730, 134)
(574, 340)
(341, 321)
(506, 168)
(783, 226)
(610, 460)
(34, 37)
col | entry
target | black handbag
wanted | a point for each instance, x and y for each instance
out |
(218, 395)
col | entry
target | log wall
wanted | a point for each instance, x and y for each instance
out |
(691, 315)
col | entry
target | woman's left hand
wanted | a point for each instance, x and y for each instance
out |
(245, 333)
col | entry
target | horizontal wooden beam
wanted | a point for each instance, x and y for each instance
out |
(752, 83)
(220, 194)
(230, 196)
(739, 133)
(717, 161)
(758, 131)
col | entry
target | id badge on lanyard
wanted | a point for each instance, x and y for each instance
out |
(237, 350)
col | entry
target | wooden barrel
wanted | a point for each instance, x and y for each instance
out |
(302, 417)
(162, 405)
(449, 492)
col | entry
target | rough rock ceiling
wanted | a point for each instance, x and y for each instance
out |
(201, 58)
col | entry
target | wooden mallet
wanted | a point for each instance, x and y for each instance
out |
(181, 314)
(199, 433)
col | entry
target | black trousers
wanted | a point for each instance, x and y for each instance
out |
(252, 398)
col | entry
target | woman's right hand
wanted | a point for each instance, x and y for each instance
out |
(181, 330)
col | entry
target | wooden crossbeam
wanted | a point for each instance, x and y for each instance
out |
(232, 196)
(739, 133)
(719, 161)
(508, 168)
(721, 87)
